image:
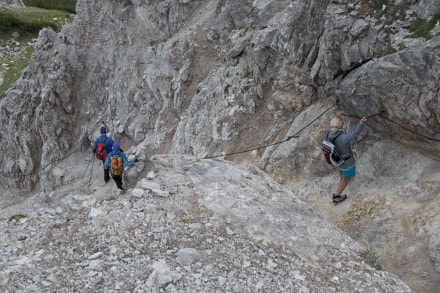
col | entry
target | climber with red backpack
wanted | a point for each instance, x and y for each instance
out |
(337, 151)
(102, 146)
(114, 164)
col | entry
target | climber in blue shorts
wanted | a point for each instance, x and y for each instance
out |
(343, 143)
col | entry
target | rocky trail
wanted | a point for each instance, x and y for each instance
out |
(189, 226)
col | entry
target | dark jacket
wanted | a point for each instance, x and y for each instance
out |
(343, 143)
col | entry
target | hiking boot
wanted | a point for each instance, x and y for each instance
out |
(337, 199)
(121, 191)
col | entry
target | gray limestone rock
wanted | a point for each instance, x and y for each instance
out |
(13, 2)
(224, 79)
(405, 98)
(426, 8)
(278, 243)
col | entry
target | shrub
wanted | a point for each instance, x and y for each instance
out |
(12, 72)
(65, 5)
(388, 50)
(10, 21)
(371, 258)
(185, 219)
(25, 23)
(422, 27)
(36, 26)
(17, 217)
(379, 8)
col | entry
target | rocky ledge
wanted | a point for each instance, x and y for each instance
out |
(188, 226)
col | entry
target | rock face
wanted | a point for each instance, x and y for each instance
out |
(426, 8)
(410, 99)
(193, 240)
(208, 78)
(12, 2)
(236, 79)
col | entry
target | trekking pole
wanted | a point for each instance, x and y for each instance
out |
(103, 123)
(91, 172)
(93, 156)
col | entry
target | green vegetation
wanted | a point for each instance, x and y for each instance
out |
(226, 89)
(14, 22)
(185, 219)
(17, 217)
(383, 8)
(422, 27)
(37, 101)
(12, 68)
(65, 5)
(371, 258)
(30, 21)
(391, 12)
(248, 74)
(18, 27)
(386, 51)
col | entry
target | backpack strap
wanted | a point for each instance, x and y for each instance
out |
(333, 140)
(344, 156)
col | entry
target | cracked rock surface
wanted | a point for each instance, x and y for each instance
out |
(220, 229)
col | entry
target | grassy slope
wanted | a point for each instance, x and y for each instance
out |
(24, 23)
(66, 5)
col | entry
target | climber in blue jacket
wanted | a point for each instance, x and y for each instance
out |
(115, 162)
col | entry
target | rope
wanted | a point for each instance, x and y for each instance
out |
(395, 123)
(380, 113)
(36, 171)
(410, 130)
(355, 116)
(275, 143)
(399, 142)
(296, 135)
(46, 165)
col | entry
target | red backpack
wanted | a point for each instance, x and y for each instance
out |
(101, 152)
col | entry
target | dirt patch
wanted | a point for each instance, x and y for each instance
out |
(390, 230)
